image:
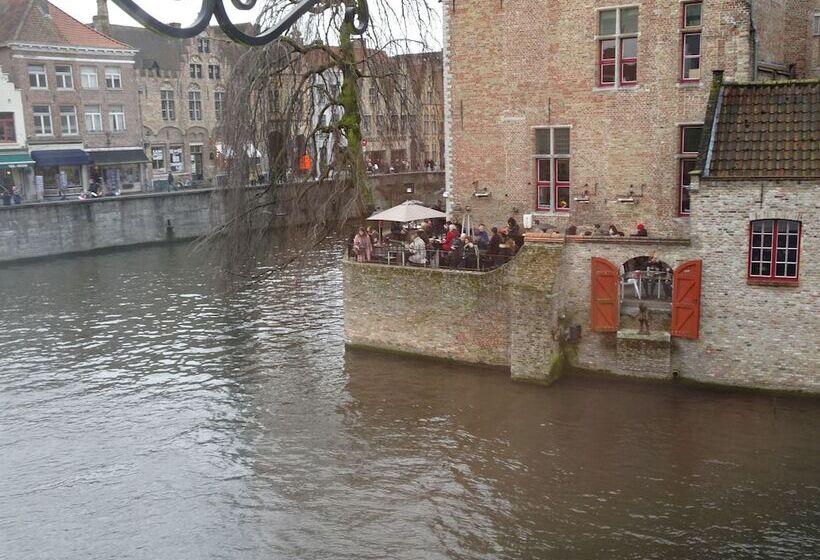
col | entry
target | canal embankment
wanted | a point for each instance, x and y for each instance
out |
(77, 226)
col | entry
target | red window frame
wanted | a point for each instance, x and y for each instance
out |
(7, 133)
(553, 186)
(624, 61)
(616, 62)
(772, 278)
(606, 62)
(683, 159)
(695, 31)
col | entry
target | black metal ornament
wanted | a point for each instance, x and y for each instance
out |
(216, 8)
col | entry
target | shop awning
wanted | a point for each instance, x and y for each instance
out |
(110, 157)
(46, 158)
(16, 159)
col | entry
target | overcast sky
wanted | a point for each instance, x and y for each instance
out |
(184, 12)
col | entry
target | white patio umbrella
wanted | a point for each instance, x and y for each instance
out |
(410, 211)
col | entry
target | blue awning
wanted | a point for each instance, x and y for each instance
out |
(46, 158)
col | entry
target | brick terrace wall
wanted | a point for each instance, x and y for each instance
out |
(524, 63)
(454, 315)
(751, 335)
(499, 318)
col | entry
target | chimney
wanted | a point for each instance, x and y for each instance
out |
(100, 21)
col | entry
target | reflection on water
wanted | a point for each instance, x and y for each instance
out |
(146, 415)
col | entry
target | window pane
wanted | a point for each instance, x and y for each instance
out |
(790, 226)
(780, 269)
(629, 48)
(562, 196)
(561, 140)
(608, 49)
(544, 197)
(766, 269)
(792, 257)
(691, 68)
(690, 141)
(608, 74)
(692, 14)
(691, 44)
(756, 255)
(685, 201)
(767, 255)
(562, 170)
(757, 226)
(543, 170)
(542, 141)
(629, 20)
(606, 22)
(629, 72)
(687, 165)
(791, 270)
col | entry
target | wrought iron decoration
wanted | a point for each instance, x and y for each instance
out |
(216, 8)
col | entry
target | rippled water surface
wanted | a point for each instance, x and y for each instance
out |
(144, 414)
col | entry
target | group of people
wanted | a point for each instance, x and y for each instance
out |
(451, 246)
(10, 196)
(612, 231)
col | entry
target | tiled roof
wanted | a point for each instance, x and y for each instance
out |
(152, 47)
(37, 21)
(767, 130)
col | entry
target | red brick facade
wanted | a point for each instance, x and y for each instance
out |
(517, 65)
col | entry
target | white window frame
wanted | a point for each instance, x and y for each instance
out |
(85, 77)
(68, 121)
(61, 77)
(42, 119)
(194, 105)
(203, 45)
(116, 118)
(163, 160)
(167, 104)
(214, 72)
(40, 77)
(92, 114)
(113, 77)
(816, 24)
(195, 70)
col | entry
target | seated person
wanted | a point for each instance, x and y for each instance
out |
(642, 232)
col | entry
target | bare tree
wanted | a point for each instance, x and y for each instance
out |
(294, 123)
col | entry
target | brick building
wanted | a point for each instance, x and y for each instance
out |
(79, 95)
(182, 98)
(591, 111)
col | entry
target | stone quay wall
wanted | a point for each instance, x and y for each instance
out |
(750, 336)
(74, 226)
(54, 228)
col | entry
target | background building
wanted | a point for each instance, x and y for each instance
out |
(182, 98)
(79, 96)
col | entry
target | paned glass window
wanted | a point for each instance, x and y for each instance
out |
(219, 104)
(65, 77)
(167, 105)
(196, 71)
(774, 250)
(618, 46)
(116, 118)
(7, 132)
(42, 120)
(687, 161)
(203, 45)
(88, 77)
(690, 42)
(68, 120)
(195, 105)
(113, 77)
(214, 72)
(552, 168)
(37, 78)
(93, 118)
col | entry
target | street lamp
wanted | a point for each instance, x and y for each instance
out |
(359, 17)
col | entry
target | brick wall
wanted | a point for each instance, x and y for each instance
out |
(499, 318)
(518, 64)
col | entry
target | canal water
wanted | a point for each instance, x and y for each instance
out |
(146, 414)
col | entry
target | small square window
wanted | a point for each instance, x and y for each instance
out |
(690, 139)
(561, 141)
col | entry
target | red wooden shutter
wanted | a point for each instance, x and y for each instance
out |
(686, 300)
(606, 310)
